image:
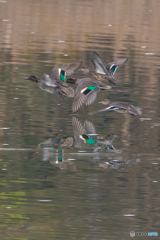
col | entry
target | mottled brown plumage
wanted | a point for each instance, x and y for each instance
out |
(120, 107)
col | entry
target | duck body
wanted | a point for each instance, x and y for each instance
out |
(86, 91)
(53, 87)
(103, 77)
(120, 107)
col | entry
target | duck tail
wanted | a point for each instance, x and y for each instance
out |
(68, 92)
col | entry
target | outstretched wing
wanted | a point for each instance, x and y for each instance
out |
(107, 109)
(78, 131)
(59, 75)
(44, 87)
(98, 64)
(85, 94)
(69, 68)
(112, 66)
(91, 97)
(89, 127)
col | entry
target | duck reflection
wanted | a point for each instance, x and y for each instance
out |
(120, 107)
(54, 153)
(86, 137)
(98, 149)
(115, 164)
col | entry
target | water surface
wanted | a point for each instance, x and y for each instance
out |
(54, 184)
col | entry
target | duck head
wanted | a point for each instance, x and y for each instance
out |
(33, 78)
(105, 101)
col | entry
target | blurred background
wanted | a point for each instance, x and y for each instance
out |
(54, 185)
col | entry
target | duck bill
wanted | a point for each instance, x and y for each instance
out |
(26, 78)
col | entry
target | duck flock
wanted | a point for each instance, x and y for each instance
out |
(87, 88)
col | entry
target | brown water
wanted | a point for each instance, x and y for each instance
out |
(53, 184)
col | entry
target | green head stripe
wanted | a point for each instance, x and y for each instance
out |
(34, 77)
(62, 75)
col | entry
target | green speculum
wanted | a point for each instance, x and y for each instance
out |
(60, 155)
(62, 75)
(88, 140)
(89, 89)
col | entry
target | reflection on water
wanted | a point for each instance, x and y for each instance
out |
(96, 148)
(84, 176)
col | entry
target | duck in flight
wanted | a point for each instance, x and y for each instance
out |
(56, 83)
(120, 107)
(103, 72)
(86, 91)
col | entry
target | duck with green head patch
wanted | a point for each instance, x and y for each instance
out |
(53, 87)
(56, 83)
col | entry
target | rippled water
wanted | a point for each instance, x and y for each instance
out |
(82, 176)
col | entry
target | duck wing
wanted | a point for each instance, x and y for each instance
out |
(59, 89)
(78, 131)
(59, 75)
(92, 97)
(86, 93)
(69, 69)
(49, 81)
(112, 66)
(44, 87)
(89, 127)
(65, 91)
(98, 64)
